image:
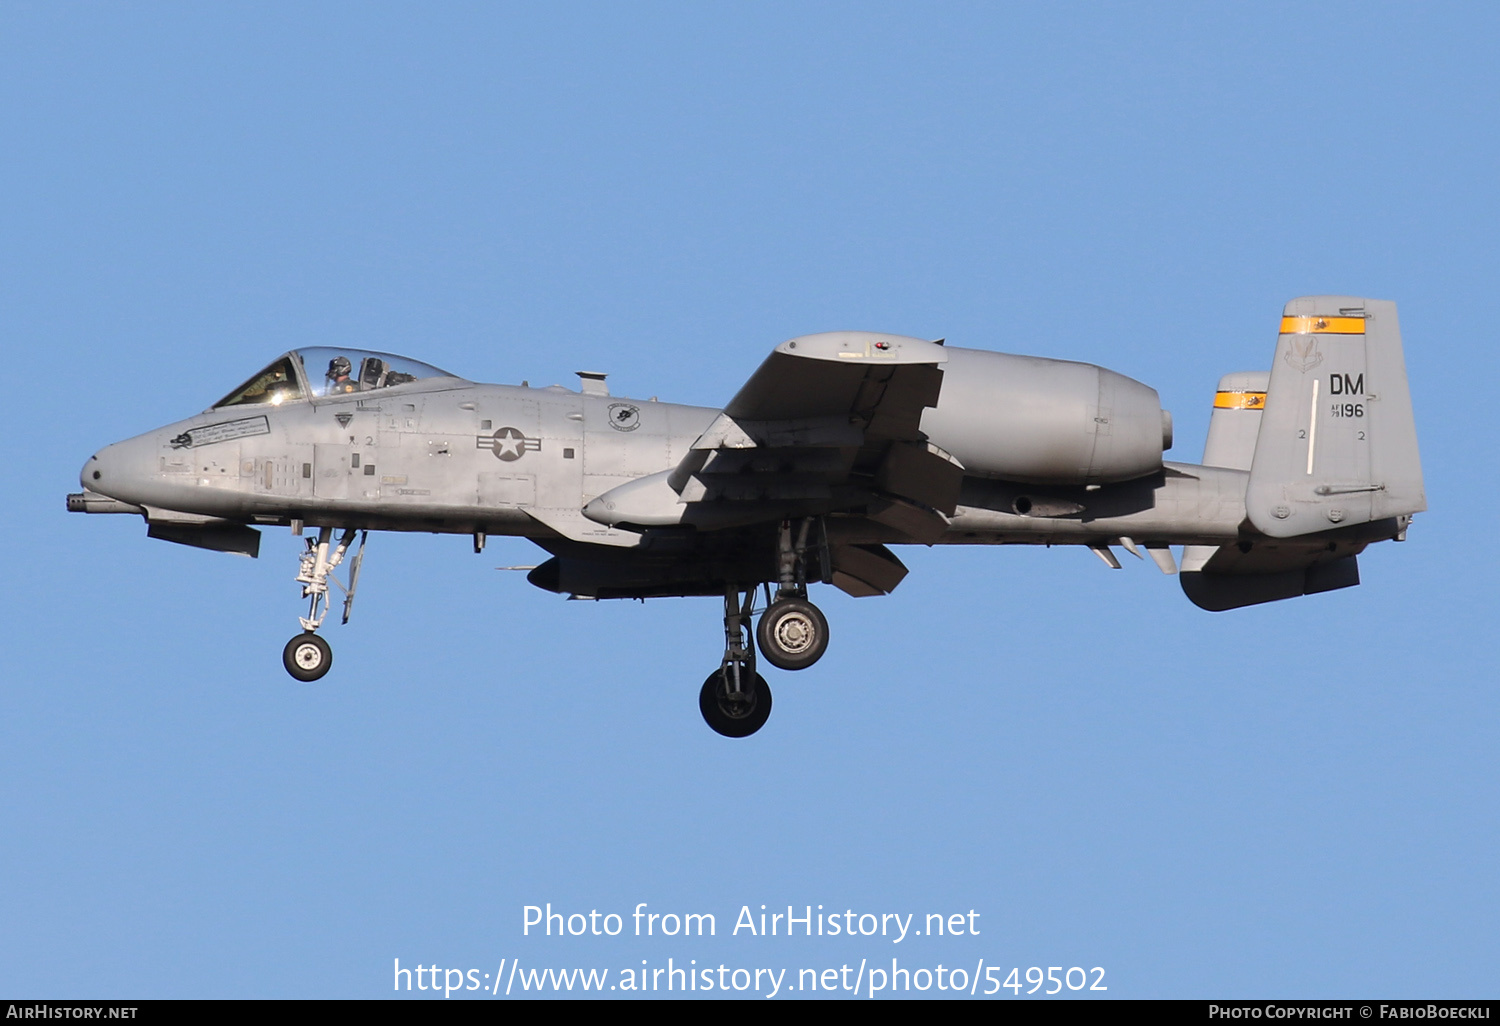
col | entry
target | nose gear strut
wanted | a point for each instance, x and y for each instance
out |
(308, 657)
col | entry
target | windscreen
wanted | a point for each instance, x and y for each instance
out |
(275, 385)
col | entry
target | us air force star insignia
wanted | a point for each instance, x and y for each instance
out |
(508, 444)
(624, 417)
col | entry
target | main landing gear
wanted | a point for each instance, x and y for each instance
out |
(308, 657)
(735, 700)
(792, 635)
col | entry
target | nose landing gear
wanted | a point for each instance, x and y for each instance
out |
(308, 657)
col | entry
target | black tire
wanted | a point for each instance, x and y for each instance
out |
(734, 719)
(307, 657)
(792, 634)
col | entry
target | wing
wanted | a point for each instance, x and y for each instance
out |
(828, 424)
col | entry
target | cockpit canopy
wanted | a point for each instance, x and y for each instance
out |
(320, 371)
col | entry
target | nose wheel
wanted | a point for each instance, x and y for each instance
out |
(307, 656)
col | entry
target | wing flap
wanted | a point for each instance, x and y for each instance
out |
(865, 570)
(923, 472)
(922, 524)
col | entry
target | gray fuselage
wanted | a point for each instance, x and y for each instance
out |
(450, 456)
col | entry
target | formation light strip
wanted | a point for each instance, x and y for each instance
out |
(1239, 400)
(1322, 325)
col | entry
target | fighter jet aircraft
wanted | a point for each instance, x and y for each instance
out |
(840, 445)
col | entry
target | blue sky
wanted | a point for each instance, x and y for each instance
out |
(1292, 800)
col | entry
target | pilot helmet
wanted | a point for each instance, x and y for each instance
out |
(339, 367)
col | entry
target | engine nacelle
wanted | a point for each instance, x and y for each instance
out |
(1026, 418)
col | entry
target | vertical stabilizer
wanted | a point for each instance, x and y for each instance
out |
(1233, 428)
(1235, 423)
(1337, 444)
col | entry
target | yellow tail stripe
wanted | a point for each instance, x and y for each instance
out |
(1322, 325)
(1239, 400)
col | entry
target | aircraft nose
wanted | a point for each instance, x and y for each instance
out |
(117, 470)
(92, 474)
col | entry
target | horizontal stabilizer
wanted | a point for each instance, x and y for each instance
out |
(1218, 592)
(1269, 569)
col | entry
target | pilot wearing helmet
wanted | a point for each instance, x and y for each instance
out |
(338, 376)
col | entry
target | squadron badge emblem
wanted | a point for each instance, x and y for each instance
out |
(624, 416)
